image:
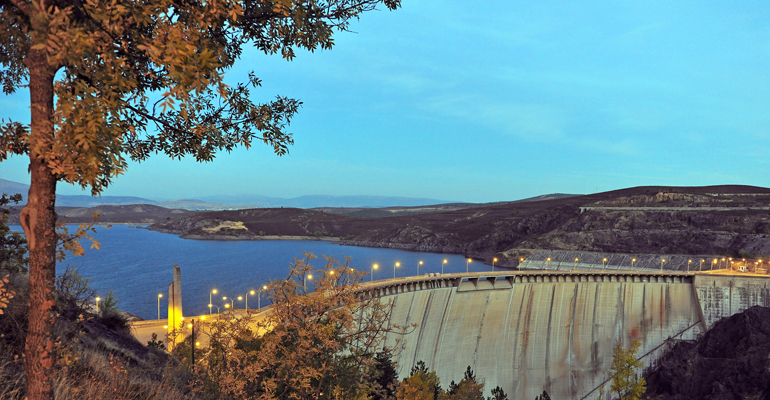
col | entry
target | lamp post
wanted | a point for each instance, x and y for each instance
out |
(662, 260)
(193, 343)
(371, 272)
(700, 267)
(305, 278)
(97, 305)
(240, 298)
(210, 302)
(398, 264)
(259, 297)
(467, 262)
(251, 292)
(574, 267)
(688, 265)
(159, 296)
(494, 260)
(547, 260)
(720, 262)
(604, 262)
(633, 260)
(714, 262)
(442, 267)
(418, 268)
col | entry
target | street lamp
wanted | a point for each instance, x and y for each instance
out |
(494, 260)
(662, 260)
(240, 298)
(159, 296)
(418, 268)
(714, 262)
(251, 292)
(214, 292)
(468, 261)
(305, 278)
(633, 260)
(97, 305)
(232, 302)
(700, 267)
(259, 297)
(547, 260)
(398, 264)
(720, 262)
(442, 267)
(574, 267)
(371, 272)
(688, 265)
(604, 262)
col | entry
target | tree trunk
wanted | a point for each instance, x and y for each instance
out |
(39, 222)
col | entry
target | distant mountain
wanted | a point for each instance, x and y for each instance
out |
(229, 202)
(314, 201)
(10, 188)
(547, 197)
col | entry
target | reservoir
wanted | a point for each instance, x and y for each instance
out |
(136, 264)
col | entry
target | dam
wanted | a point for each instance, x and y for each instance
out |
(553, 330)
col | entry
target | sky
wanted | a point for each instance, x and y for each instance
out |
(496, 101)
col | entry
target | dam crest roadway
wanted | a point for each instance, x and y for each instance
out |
(535, 330)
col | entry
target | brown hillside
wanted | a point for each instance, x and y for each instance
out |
(728, 219)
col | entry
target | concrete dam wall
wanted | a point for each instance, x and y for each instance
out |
(532, 331)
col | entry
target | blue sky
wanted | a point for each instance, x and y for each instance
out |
(501, 100)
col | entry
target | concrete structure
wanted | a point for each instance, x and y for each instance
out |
(175, 314)
(531, 331)
(554, 331)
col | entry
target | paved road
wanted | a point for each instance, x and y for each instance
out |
(143, 330)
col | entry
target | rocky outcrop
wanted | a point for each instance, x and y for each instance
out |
(730, 361)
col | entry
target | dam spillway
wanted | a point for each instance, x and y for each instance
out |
(547, 330)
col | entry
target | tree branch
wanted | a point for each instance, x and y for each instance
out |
(22, 6)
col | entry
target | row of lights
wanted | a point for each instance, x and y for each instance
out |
(663, 261)
(420, 263)
(305, 278)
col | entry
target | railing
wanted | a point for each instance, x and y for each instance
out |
(506, 279)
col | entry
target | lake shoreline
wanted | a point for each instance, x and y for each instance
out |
(256, 238)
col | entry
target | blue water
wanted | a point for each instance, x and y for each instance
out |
(136, 264)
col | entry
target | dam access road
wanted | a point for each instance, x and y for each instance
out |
(530, 331)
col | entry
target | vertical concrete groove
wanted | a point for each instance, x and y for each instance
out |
(595, 362)
(406, 323)
(444, 320)
(570, 338)
(645, 321)
(519, 334)
(428, 307)
(548, 341)
(506, 332)
(481, 327)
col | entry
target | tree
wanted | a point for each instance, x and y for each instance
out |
(420, 385)
(499, 394)
(116, 80)
(625, 381)
(317, 344)
(544, 396)
(13, 248)
(468, 388)
(386, 376)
